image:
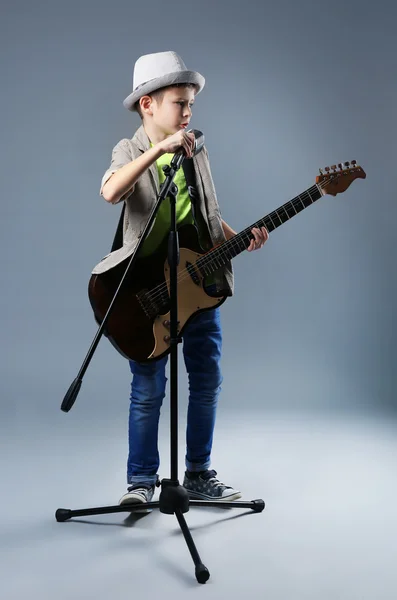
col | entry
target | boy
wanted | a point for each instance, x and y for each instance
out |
(163, 95)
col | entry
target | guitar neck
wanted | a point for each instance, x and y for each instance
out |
(219, 256)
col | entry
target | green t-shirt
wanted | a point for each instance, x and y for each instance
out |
(162, 222)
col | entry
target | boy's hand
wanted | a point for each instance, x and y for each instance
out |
(261, 236)
(177, 141)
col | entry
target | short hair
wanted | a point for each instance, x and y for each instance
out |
(158, 95)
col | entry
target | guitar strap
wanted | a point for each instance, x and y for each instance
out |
(118, 238)
(190, 177)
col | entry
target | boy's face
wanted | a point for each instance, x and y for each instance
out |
(174, 111)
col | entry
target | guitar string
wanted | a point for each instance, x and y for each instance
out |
(157, 292)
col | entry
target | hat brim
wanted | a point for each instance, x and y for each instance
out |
(160, 82)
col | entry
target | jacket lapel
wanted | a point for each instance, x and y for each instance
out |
(203, 178)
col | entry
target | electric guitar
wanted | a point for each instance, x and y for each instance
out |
(138, 325)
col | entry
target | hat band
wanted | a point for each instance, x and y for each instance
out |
(144, 83)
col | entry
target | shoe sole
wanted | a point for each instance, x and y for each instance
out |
(201, 496)
(133, 499)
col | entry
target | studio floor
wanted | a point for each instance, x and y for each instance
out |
(329, 529)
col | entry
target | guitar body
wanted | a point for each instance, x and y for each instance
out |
(137, 326)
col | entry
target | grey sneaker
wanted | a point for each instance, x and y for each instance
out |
(204, 485)
(138, 493)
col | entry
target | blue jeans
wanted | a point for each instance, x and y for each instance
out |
(202, 344)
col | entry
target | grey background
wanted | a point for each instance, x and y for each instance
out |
(309, 337)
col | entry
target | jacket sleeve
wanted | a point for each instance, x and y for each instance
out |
(121, 155)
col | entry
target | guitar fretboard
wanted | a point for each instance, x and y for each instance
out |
(219, 256)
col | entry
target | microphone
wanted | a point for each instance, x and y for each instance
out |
(199, 140)
(180, 156)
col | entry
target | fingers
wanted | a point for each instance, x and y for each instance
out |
(265, 234)
(189, 140)
(182, 140)
(260, 237)
(185, 143)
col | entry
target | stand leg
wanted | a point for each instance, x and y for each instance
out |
(64, 514)
(173, 497)
(255, 505)
(202, 573)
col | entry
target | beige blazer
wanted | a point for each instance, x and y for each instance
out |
(141, 198)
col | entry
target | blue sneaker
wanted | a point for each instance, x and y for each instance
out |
(138, 493)
(203, 485)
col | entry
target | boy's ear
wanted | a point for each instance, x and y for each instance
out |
(146, 105)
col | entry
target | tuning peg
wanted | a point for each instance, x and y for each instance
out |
(354, 162)
(327, 169)
(333, 167)
(340, 166)
(321, 172)
(346, 164)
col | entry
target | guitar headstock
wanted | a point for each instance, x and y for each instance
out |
(338, 178)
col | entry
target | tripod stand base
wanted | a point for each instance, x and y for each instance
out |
(171, 493)
(64, 514)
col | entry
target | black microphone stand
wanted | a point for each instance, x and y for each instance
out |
(173, 498)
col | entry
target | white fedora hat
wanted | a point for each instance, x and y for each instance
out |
(154, 71)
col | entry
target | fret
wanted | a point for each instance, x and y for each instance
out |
(203, 268)
(312, 194)
(290, 209)
(270, 226)
(216, 258)
(282, 214)
(247, 235)
(307, 201)
(224, 254)
(300, 206)
(218, 261)
(275, 217)
(235, 248)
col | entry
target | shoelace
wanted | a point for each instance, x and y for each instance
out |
(214, 480)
